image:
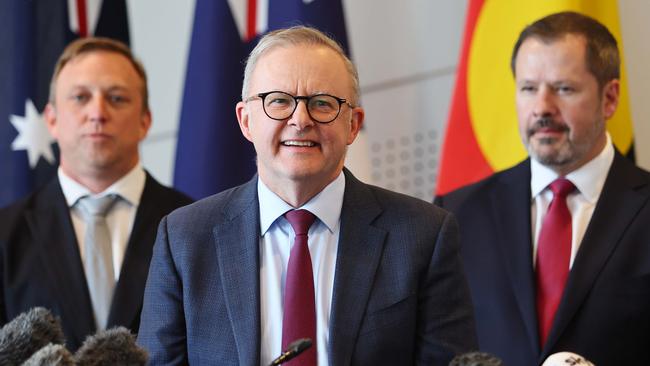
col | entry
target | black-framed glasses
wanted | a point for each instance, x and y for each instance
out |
(322, 108)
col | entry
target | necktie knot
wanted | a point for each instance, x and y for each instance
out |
(96, 206)
(561, 187)
(300, 220)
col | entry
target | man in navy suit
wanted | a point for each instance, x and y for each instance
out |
(98, 112)
(384, 276)
(566, 69)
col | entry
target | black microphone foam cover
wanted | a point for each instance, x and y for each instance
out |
(51, 355)
(115, 346)
(299, 345)
(476, 359)
(27, 333)
(294, 349)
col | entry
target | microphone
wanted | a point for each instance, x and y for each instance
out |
(476, 359)
(566, 358)
(51, 355)
(27, 333)
(115, 346)
(294, 349)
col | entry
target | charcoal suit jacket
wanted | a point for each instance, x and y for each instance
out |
(40, 264)
(604, 313)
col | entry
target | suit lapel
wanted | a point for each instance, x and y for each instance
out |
(511, 202)
(54, 234)
(237, 247)
(359, 253)
(617, 206)
(129, 290)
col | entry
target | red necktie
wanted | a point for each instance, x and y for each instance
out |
(299, 300)
(553, 255)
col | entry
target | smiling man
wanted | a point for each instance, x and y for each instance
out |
(556, 248)
(88, 268)
(305, 250)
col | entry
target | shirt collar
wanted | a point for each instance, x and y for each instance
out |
(326, 205)
(589, 179)
(129, 187)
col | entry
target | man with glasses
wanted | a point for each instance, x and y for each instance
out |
(305, 250)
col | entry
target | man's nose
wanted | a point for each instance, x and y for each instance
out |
(97, 108)
(300, 117)
(544, 103)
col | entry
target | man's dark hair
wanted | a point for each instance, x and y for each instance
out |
(602, 55)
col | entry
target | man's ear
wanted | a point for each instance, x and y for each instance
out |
(243, 118)
(356, 123)
(610, 97)
(50, 119)
(145, 124)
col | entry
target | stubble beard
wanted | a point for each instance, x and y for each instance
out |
(553, 152)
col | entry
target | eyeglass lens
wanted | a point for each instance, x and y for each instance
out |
(321, 107)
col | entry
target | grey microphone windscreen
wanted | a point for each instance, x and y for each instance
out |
(114, 346)
(27, 333)
(51, 355)
(476, 359)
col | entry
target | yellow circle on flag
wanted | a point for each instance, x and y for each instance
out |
(491, 88)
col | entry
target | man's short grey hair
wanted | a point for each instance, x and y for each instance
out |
(294, 36)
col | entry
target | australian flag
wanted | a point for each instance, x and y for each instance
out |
(33, 35)
(212, 154)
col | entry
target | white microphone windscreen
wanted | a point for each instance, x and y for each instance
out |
(566, 359)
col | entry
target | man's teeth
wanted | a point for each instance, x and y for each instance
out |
(298, 143)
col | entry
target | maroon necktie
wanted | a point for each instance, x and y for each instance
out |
(553, 255)
(299, 300)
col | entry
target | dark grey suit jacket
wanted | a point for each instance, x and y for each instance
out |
(40, 263)
(400, 296)
(604, 313)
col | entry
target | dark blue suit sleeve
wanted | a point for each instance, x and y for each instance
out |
(162, 325)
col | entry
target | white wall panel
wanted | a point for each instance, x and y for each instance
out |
(160, 37)
(635, 28)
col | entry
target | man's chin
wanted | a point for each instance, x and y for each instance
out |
(100, 160)
(551, 158)
(104, 163)
(310, 175)
(553, 141)
(298, 175)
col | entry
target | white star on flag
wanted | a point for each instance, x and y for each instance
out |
(33, 135)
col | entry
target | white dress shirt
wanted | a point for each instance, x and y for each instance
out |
(589, 181)
(275, 246)
(119, 219)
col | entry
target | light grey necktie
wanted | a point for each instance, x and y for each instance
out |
(98, 255)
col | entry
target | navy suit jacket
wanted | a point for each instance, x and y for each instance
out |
(400, 296)
(40, 262)
(604, 313)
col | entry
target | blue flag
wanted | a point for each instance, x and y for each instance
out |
(212, 155)
(33, 35)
